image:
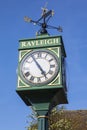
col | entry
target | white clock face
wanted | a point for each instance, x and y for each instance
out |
(39, 67)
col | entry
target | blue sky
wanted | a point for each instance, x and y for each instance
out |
(72, 16)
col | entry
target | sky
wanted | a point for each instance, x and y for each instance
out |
(72, 16)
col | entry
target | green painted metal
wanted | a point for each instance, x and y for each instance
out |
(42, 123)
(43, 98)
(54, 47)
(52, 43)
(48, 98)
(42, 42)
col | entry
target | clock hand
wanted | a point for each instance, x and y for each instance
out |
(38, 65)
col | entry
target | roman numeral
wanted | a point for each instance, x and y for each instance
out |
(32, 78)
(52, 66)
(50, 72)
(50, 60)
(46, 56)
(39, 54)
(38, 80)
(27, 74)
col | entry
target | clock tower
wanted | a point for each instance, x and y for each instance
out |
(41, 72)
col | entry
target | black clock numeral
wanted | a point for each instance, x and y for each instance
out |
(39, 54)
(52, 66)
(27, 74)
(32, 78)
(45, 56)
(50, 60)
(50, 72)
(38, 80)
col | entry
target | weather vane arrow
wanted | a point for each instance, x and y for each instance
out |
(46, 15)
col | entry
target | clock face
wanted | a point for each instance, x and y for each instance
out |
(39, 67)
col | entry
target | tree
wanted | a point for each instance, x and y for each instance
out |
(57, 121)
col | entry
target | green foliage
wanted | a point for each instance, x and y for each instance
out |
(32, 127)
(58, 121)
(62, 119)
(32, 121)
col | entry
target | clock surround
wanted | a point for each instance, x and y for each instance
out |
(54, 90)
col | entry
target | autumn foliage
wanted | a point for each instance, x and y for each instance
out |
(66, 120)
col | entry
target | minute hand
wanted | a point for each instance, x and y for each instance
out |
(38, 65)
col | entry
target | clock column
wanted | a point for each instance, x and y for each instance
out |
(43, 123)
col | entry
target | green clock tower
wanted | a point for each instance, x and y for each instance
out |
(41, 73)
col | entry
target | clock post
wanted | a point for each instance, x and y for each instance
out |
(41, 71)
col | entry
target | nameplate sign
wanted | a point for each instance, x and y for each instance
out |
(45, 42)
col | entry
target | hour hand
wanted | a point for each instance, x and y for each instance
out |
(43, 73)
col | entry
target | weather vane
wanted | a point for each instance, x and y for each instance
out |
(43, 21)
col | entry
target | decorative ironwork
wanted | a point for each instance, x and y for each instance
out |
(46, 15)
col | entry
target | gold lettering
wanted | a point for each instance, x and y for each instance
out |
(49, 41)
(40, 42)
(57, 40)
(28, 44)
(23, 44)
(37, 43)
(33, 43)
